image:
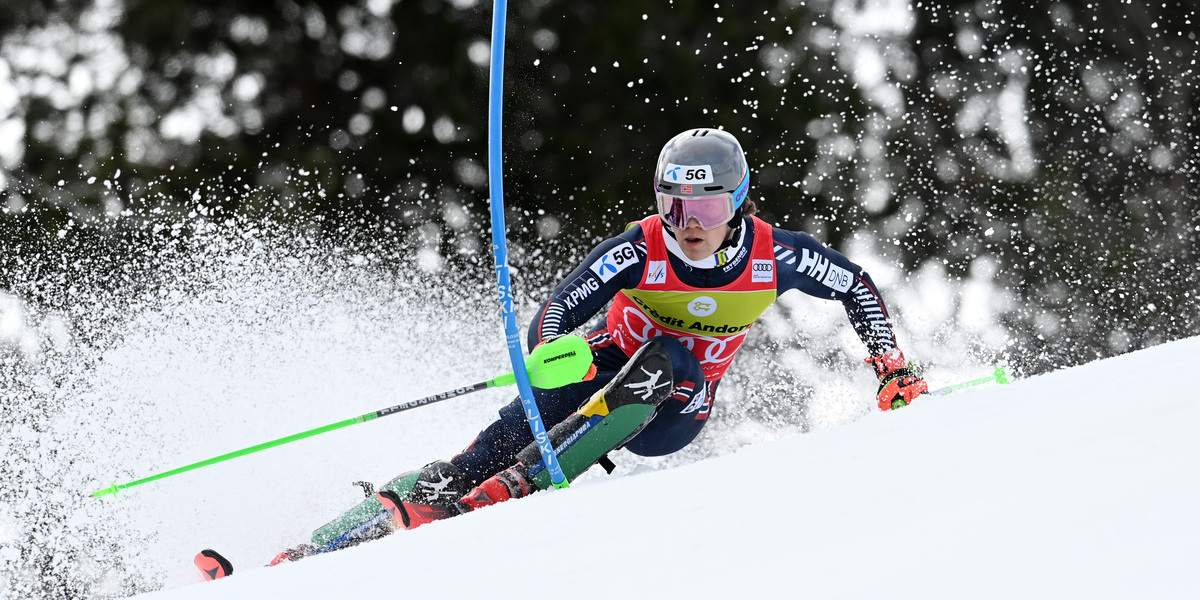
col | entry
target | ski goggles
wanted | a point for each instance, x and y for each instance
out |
(710, 211)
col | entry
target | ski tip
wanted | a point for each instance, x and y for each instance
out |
(212, 565)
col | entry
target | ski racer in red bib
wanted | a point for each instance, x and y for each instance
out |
(683, 289)
(689, 283)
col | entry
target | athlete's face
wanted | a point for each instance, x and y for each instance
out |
(697, 243)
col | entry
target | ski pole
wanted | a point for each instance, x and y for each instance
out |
(998, 376)
(558, 362)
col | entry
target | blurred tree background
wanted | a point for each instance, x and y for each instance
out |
(1056, 141)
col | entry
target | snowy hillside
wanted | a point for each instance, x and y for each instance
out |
(1078, 484)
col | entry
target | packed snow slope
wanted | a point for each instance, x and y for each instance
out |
(1077, 484)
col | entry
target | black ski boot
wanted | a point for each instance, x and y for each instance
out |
(435, 496)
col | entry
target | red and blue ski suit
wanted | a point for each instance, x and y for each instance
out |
(708, 308)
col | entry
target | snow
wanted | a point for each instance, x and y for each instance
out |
(1076, 484)
(1042, 485)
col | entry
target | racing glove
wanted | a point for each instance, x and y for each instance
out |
(898, 384)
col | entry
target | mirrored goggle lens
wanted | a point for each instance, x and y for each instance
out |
(710, 211)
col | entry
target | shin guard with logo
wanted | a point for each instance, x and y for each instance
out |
(609, 418)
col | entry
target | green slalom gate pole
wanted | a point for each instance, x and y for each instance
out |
(556, 363)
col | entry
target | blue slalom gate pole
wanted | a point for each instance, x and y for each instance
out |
(500, 246)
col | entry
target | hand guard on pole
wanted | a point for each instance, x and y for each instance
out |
(574, 344)
(898, 384)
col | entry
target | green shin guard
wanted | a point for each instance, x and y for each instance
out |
(609, 418)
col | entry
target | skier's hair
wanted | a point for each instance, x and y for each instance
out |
(749, 208)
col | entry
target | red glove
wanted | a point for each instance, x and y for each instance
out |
(898, 384)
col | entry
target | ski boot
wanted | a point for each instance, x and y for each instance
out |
(433, 497)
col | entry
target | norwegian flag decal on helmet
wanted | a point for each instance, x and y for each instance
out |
(687, 189)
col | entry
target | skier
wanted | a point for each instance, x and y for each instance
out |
(685, 285)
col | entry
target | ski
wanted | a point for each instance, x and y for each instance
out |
(366, 521)
(212, 565)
